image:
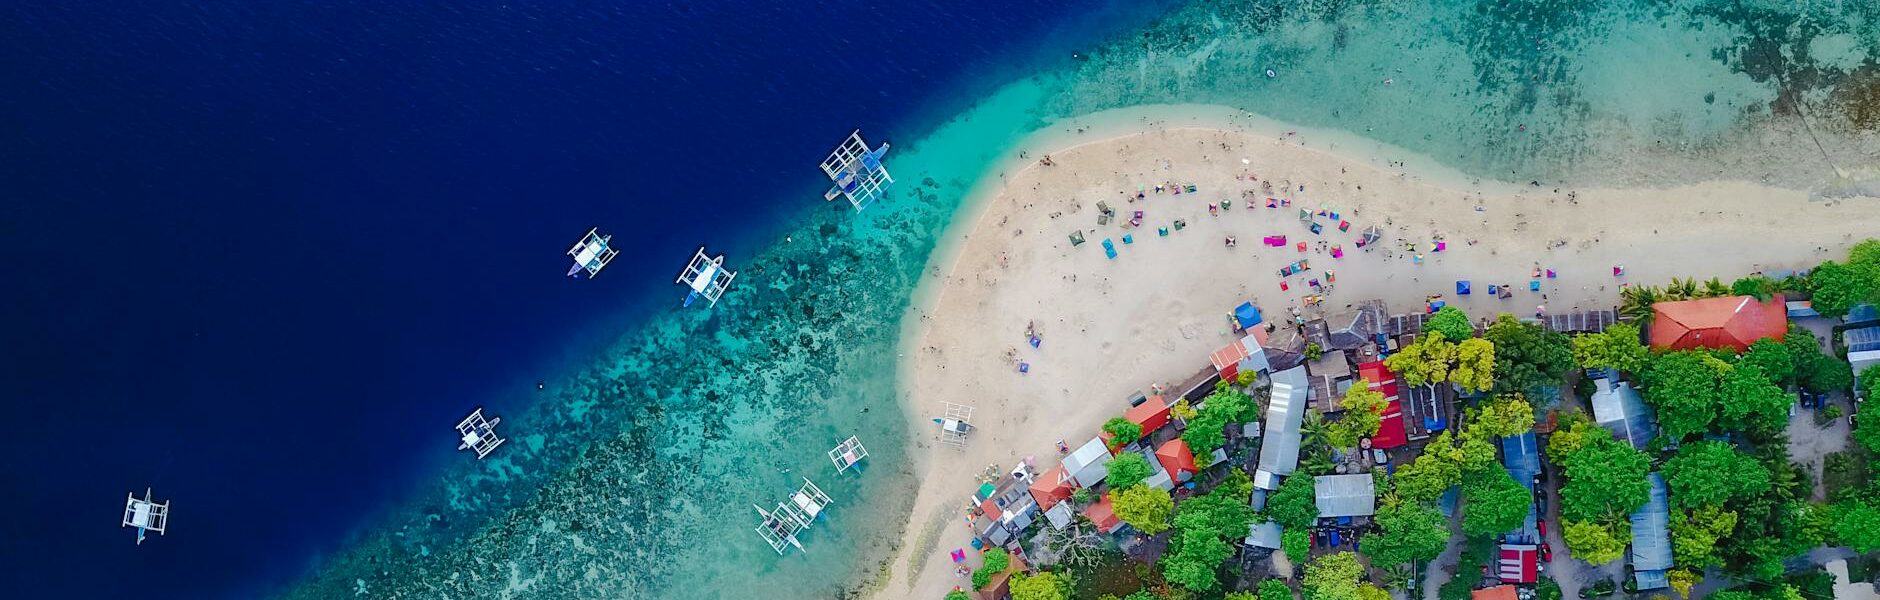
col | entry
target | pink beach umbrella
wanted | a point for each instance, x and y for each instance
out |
(959, 555)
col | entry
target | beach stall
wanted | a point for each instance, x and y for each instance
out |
(707, 278)
(857, 172)
(146, 514)
(591, 254)
(478, 434)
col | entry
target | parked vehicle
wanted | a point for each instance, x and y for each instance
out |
(1542, 524)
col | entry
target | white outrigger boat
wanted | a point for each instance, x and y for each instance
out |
(145, 514)
(707, 277)
(591, 254)
(848, 454)
(955, 424)
(782, 524)
(478, 434)
(857, 172)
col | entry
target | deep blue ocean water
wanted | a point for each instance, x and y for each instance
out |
(262, 256)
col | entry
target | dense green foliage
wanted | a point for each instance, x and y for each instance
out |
(1594, 543)
(1709, 473)
(996, 561)
(1752, 402)
(1206, 432)
(1043, 586)
(1202, 526)
(1605, 479)
(1274, 589)
(1145, 508)
(1694, 538)
(1451, 322)
(1364, 412)
(1815, 370)
(1503, 416)
(1776, 359)
(1496, 502)
(1618, 347)
(1857, 524)
(1333, 577)
(1122, 431)
(1841, 286)
(1685, 389)
(1435, 360)
(958, 595)
(1297, 544)
(1528, 358)
(1127, 469)
(1867, 421)
(1408, 531)
(1293, 505)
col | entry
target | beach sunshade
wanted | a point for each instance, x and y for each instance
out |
(1305, 215)
(1618, 270)
(1534, 285)
(1344, 225)
(959, 555)
(1418, 259)
(1316, 228)
(1179, 224)
(1302, 245)
(1436, 305)
(1161, 231)
(1272, 203)
(1441, 246)
(1109, 249)
(1338, 252)
(1462, 287)
(1129, 238)
(1077, 238)
(1247, 315)
(1283, 287)
(1493, 289)
(1274, 241)
(1550, 273)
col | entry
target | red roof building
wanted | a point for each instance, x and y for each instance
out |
(1227, 359)
(1152, 414)
(1177, 459)
(1103, 515)
(1520, 563)
(1052, 487)
(1500, 592)
(1390, 428)
(1728, 322)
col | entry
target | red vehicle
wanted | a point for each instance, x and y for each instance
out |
(1547, 552)
(1543, 526)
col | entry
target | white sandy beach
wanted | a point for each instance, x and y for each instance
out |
(1111, 327)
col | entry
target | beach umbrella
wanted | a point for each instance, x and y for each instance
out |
(1550, 273)
(1462, 287)
(1344, 226)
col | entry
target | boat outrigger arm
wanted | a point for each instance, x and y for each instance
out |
(706, 277)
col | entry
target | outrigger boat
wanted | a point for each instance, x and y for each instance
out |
(848, 454)
(706, 276)
(955, 424)
(591, 254)
(857, 172)
(145, 514)
(782, 524)
(479, 434)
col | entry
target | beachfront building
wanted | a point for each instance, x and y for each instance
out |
(1724, 322)
(856, 172)
(1286, 409)
(1052, 487)
(1088, 464)
(1285, 347)
(1244, 355)
(1341, 496)
(1392, 430)
(1518, 563)
(1863, 349)
(1584, 321)
(1005, 507)
(1177, 460)
(1356, 330)
(999, 587)
(1651, 539)
(1617, 407)
(1102, 513)
(1327, 379)
(1500, 592)
(1521, 455)
(1151, 414)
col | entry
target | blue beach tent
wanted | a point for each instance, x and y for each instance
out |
(1109, 249)
(1246, 315)
(1462, 287)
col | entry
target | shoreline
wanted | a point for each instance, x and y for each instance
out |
(943, 298)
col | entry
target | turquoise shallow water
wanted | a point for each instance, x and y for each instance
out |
(635, 476)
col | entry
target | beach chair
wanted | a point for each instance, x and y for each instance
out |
(1109, 249)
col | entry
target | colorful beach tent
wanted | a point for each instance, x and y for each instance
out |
(1274, 240)
(1462, 287)
(1246, 315)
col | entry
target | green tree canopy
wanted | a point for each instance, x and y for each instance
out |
(1145, 508)
(1122, 431)
(1842, 286)
(1434, 471)
(1618, 347)
(1495, 502)
(1475, 365)
(1709, 473)
(1451, 322)
(1297, 544)
(1201, 523)
(1425, 362)
(1776, 359)
(1684, 387)
(1408, 531)
(1694, 538)
(1127, 469)
(1752, 402)
(1193, 566)
(1867, 421)
(1274, 589)
(1759, 286)
(1043, 586)
(958, 595)
(1528, 358)
(1605, 480)
(1294, 505)
(1857, 525)
(1364, 412)
(1333, 577)
(1594, 543)
(1503, 416)
(1206, 431)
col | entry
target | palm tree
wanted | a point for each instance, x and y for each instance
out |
(1715, 288)
(1636, 302)
(1320, 462)
(1687, 289)
(1314, 431)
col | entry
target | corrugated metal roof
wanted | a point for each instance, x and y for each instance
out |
(1279, 448)
(1651, 540)
(1345, 495)
(1264, 535)
(1087, 464)
(1862, 340)
(1617, 407)
(1521, 455)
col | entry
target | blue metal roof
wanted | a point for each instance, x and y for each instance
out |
(1651, 540)
(1521, 454)
(1862, 340)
